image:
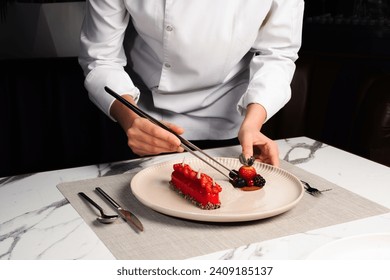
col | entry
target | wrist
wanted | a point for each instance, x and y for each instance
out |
(255, 115)
(123, 115)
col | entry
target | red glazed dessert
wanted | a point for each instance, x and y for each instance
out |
(197, 187)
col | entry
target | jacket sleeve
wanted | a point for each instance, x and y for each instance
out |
(102, 55)
(276, 50)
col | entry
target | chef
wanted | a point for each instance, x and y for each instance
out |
(213, 71)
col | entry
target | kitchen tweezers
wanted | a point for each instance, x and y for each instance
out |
(185, 144)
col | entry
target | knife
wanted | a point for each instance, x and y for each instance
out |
(185, 144)
(124, 213)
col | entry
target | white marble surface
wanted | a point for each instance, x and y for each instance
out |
(37, 222)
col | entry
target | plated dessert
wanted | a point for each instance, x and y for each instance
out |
(203, 191)
(282, 191)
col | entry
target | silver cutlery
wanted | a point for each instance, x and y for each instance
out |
(103, 218)
(313, 191)
(124, 213)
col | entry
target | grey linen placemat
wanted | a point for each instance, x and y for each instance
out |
(167, 237)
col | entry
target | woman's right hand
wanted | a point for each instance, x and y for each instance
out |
(144, 137)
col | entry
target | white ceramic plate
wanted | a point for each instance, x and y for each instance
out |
(281, 193)
(360, 247)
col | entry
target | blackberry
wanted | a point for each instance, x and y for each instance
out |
(259, 181)
(233, 174)
(238, 182)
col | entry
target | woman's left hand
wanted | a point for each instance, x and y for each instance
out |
(253, 142)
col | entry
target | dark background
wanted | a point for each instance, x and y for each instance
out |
(340, 96)
(344, 67)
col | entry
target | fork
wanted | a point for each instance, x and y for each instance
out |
(313, 191)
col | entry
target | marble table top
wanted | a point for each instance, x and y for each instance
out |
(37, 222)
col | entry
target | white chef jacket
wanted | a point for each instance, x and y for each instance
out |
(201, 59)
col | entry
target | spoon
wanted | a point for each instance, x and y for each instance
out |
(103, 218)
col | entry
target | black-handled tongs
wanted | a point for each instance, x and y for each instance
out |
(185, 144)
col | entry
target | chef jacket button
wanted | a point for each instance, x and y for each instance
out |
(169, 28)
(167, 65)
